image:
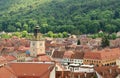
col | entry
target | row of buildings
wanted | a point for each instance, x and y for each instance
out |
(60, 58)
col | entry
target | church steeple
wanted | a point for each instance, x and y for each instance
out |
(37, 44)
(37, 36)
(36, 32)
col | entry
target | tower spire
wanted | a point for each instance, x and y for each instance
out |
(36, 33)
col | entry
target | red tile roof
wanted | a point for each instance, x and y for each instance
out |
(2, 60)
(68, 54)
(58, 54)
(31, 69)
(27, 70)
(9, 57)
(23, 48)
(78, 55)
(6, 73)
(108, 71)
(44, 58)
(103, 54)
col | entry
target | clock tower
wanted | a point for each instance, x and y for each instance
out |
(37, 44)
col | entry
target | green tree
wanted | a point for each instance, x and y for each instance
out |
(105, 42)
(11, 28)
(78, 42)
(113, 36)
(101, 34)
(18, 25)
(6, 36)
(55, 36)
(110, 28)
(60, 35)
(65, 34)
(25, 27)
(50, 34)
(18, 34)
(24, 33)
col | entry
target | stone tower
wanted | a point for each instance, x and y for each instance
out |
(37, 44)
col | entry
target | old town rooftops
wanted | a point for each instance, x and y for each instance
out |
(108, 71)
(103, 54)
(27, 69)
(68, 54)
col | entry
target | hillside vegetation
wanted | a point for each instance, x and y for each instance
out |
(72, 16)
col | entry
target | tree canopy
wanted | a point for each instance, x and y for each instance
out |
(71, 16)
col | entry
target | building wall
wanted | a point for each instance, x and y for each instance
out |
(60, 60)
(74, 61)
(118, 62)
(37, 48)
(92, 62)
(95, 62)
(98, 75)
(78, 61)
(52, 73)
(21, 57)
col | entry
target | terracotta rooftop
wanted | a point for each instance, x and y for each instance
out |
(78, 55)
(2, 60)
(26, 70)
(23, 48)
(5, 72)
(103, 54)
(58, 54)
(68, 54)
(9, 57)
(44, 58)
(108, 71)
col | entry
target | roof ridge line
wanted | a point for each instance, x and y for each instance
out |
(11, 71)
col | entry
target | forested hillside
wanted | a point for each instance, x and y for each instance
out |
(73, 16)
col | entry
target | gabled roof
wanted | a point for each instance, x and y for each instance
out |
(108, 71)
(32, 69)
(2, 60)
(27, 70)
(58, 54)
(9, 57)
(44, 58)
(103, 54)
(68, 54)
(6, 73)
(78, 55)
